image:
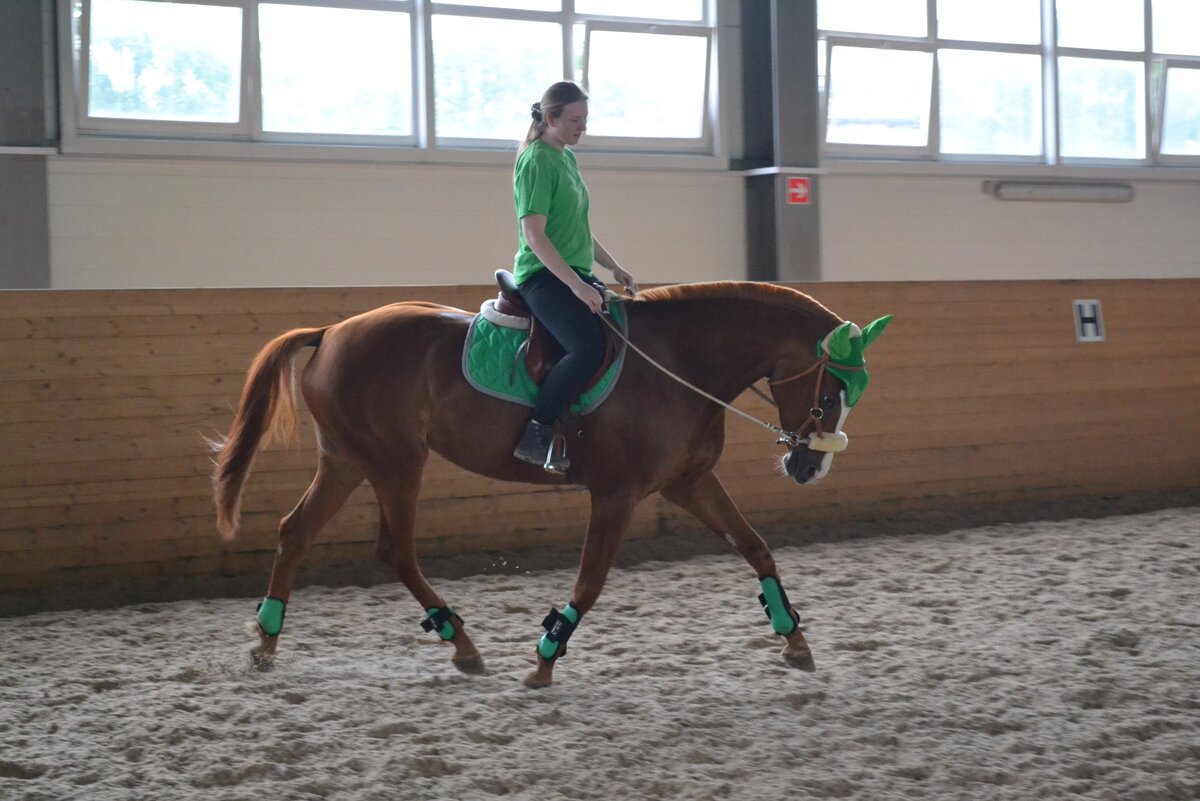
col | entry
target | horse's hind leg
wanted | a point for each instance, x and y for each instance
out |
(334, 482)
(704, 497)
(397, 549)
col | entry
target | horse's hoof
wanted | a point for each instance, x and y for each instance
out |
(800, 660)
(261, 659)
(471, 665)
(536, 681)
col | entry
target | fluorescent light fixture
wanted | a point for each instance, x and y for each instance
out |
(1078, 192)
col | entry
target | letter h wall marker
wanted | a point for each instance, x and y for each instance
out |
(1089, 322)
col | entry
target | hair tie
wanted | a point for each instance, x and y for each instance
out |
(535, 111)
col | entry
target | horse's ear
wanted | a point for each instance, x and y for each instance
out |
(837, 344)
(874, 329)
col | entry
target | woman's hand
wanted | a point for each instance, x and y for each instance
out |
(589, 294)
(620, 274)
(625, 279)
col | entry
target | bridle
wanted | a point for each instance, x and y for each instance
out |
(834, 443)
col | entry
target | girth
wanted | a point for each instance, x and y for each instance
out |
(542, 350)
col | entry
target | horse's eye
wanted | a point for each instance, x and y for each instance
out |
(828, 401)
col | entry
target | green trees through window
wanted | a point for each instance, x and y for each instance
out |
(165, 61)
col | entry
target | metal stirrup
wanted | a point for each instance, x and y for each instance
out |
(549, 465)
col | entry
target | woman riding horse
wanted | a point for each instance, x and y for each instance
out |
(553, 265)
(386, 387)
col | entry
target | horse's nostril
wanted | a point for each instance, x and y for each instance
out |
(810, 473)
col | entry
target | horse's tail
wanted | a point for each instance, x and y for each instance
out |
(267, 411)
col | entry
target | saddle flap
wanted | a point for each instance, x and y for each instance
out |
(543, 352)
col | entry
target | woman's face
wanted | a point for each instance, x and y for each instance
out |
(568, 127)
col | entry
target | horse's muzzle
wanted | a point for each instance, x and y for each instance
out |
(805, 465)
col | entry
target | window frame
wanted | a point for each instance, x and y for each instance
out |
(702, 144)
(1131, 57)
(1160, 100)
(122, 126)
(997, 158)
(430, 140)
(1050, 52)
(82, 134)
(872, 42)
(254, 71)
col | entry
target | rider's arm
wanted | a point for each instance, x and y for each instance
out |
(605, 259)
(533, 228)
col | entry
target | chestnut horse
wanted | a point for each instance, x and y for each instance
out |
(386, 387)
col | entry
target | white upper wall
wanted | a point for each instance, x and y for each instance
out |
(907, 227)
(117, 223)
(125, 223)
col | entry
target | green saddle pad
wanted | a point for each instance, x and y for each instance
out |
(494, 363)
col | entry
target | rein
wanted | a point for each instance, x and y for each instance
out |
(793, 439)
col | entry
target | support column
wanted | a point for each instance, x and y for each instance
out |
(24, 223)
(782, 139)
(28, 129)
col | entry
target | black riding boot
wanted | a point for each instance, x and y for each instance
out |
(537, 447)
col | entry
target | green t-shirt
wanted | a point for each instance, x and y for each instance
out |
(546, 181)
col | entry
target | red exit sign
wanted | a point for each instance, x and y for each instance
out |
(799, 191)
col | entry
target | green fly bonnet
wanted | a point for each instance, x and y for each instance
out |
(845, 345)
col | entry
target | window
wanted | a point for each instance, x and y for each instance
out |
(895, 17)
(1102, 108)
(679, 10)
(1176, 23)
(1013, 22)
(628, 74)
(335, 70)
(645, 64)
(487, 72)
(177, 62)
(1181, 117)
(879, 97)
(991, 102)
(1101, 24)
(457, 74)
(1037, 81)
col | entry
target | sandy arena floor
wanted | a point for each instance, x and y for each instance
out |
(1050, 660)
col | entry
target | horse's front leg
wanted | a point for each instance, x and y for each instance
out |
(609, 521)
(704, 497)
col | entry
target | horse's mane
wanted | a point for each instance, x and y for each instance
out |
(731, 290)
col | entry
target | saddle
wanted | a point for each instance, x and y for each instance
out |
(542, 350)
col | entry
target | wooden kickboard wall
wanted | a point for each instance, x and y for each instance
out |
(980, 394)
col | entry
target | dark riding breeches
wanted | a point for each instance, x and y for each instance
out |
(576, 328)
